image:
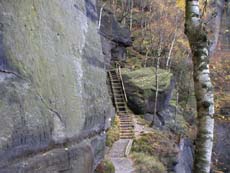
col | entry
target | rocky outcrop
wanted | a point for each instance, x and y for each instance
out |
(221, 152)
(114, 37)
(54, 104)
(140, 88)
(185, 156)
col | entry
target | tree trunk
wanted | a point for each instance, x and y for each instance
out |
(157, 80)
(172, 45)
(131, 16)
(199, 45)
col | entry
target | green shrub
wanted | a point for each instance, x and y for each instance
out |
(147, 164)
(113, 133)
(106, 166)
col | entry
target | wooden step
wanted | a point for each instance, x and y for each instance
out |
(120, 95)
(126, 135)
(125, 118)
(120, 107)
(126, 130)
(126, 124)
(126, 121)
(118, 90)
(124, 112)
(120, 99)
(117, 85)
(120, 103)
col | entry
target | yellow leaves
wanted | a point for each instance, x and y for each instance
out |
(181, 4)
(183, 42)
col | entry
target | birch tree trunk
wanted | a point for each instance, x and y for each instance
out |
(172, 45)
(131, 16)
(199, 45)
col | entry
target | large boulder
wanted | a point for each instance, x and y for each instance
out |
(54, 104)
(140, 87)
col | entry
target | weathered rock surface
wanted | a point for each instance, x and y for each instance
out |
(185, 157)
(221, 152)
(114, 37)
(140, 88)
(53, 95)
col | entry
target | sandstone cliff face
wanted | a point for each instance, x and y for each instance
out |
(54, 104)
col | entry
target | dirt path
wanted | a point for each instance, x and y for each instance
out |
(121, 163)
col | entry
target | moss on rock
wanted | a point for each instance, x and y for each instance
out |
(144, 78)
(140, 86)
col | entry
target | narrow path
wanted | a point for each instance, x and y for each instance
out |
(121, 163)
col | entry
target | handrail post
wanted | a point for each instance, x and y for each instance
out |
(122, 83)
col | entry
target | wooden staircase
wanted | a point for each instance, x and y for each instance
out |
(120, 102)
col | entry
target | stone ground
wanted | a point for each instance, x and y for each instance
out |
(121, 163)
(116, 154)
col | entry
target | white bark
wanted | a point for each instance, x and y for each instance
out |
(172, 45)
(100, 16)
(131, 16)
(199, 44)
(157, 79)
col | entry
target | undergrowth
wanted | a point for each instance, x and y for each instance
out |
(113, 133)
(147, 164)
(106, 166)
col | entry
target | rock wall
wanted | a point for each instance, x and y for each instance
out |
(114, 37)
(221, 152)
(54, 104)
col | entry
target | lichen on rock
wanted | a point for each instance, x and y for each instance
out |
(53, 92)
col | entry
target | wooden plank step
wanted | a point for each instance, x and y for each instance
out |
(120, 103)
(121, 108)
(124, 135)
(117, 87)
(128, 121)
(125, 116)
(125, 112)
(117, 100)
(114, 78)
(126, 128)
(120, 95)
(125, 123)
(118, 91)
(124, 131)
(129, 137)
(120, 99)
